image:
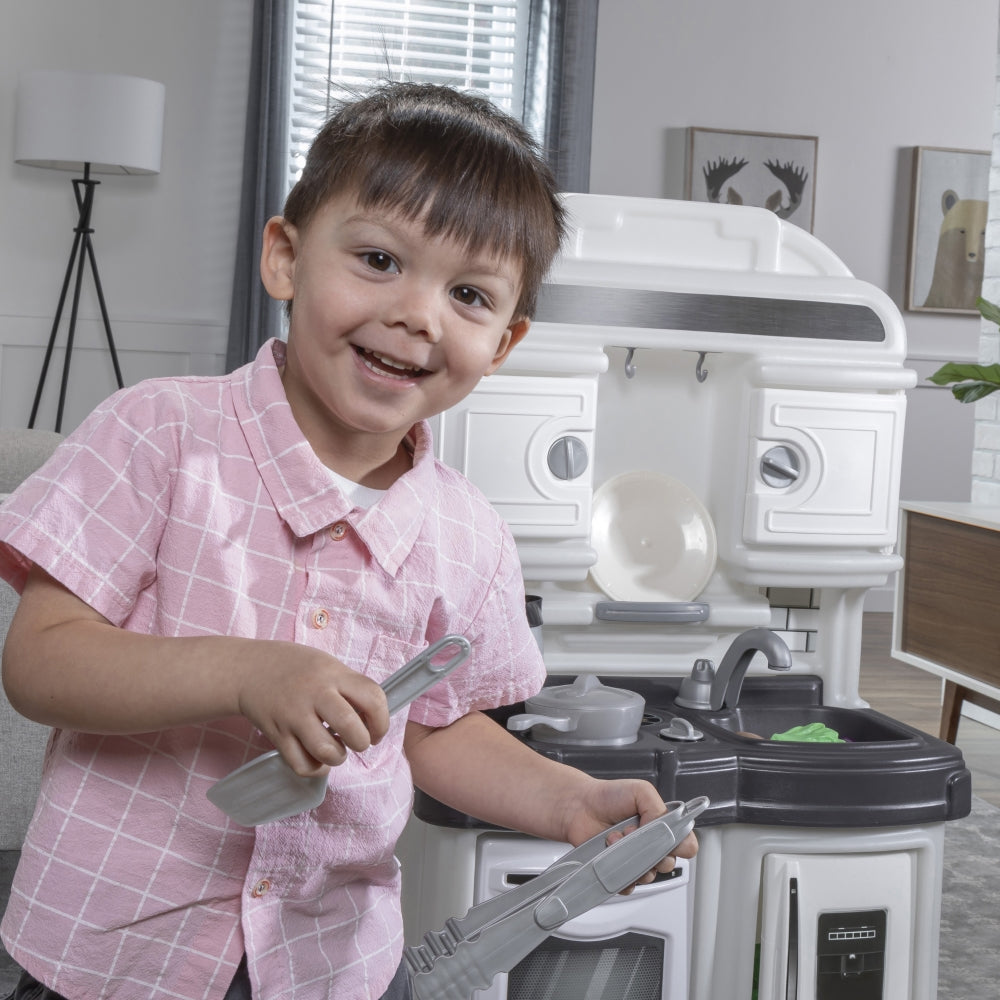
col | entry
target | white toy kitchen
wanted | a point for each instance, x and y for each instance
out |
(698, 450)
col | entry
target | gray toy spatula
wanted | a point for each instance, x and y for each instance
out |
(266, 788)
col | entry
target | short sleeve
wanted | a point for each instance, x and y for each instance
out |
(92, 516)
(505, 665)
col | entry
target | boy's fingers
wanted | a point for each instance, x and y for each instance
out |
(358, 720)
(303, 762)
(688, 847)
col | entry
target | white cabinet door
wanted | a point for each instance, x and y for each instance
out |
(823, 468)
(527, 442)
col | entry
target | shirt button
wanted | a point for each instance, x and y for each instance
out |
(338, 531)
(321, 618)
(261, 888)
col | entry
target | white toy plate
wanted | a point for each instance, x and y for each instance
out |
(654, 539)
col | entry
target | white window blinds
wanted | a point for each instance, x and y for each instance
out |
(343, 45)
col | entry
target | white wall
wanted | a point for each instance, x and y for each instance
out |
(164, 244)
(871, 79)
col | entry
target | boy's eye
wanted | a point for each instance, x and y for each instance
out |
(379, 260)
(468, 296)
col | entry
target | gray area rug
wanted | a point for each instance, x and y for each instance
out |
(970, 909)
(969, 953)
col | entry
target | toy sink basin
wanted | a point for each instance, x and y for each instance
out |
(851, 725)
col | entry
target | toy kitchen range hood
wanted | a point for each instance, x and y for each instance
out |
(707, 414)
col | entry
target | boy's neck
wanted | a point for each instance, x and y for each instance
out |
(368, 470)
(368, 460)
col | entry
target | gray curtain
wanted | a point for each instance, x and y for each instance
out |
(558, 102)
(559, 85)
(254, 316)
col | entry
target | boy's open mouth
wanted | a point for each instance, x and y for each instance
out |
(389, 367)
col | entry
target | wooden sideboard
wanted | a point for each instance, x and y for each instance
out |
(947, 613)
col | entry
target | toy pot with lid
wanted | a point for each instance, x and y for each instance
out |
(584, 713)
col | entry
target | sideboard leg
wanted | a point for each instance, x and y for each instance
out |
(951, 710)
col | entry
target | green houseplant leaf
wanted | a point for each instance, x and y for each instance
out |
(988, 310)
(973, 381)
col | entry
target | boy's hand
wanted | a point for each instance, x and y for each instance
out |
(312, 707)
(606, 803)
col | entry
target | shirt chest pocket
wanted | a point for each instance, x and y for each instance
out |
(388, 655)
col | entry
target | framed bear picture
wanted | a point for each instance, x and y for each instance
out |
(948, 211)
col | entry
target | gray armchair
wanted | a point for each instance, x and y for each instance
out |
(22, 743)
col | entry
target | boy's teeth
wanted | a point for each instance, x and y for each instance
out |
(391, 363)
(379, 362)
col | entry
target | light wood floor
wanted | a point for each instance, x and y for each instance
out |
(914, 697)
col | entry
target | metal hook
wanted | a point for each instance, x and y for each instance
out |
(701, 373)
(629, 364)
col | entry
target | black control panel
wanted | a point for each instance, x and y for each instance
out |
(850, 955)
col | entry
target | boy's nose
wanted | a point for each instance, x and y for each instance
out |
(416, 309)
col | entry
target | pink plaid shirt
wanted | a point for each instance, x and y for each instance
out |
(194, 506)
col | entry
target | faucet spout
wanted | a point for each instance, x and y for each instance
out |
(728, 680)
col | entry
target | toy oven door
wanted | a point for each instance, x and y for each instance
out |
(633, 947)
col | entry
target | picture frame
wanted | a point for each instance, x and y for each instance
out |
(766, 169)
(949, 206)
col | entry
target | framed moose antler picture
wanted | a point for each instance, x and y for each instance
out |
(765, 169)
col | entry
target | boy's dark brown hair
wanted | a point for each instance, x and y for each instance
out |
(454, 160)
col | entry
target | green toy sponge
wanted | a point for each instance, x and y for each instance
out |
(814, 732)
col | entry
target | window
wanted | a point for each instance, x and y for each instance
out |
(345, 44)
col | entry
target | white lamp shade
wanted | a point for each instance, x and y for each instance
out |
(112, 122)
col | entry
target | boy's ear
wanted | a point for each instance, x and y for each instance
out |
(277, 258)
(512, 336)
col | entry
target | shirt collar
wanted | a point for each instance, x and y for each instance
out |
(299, 485)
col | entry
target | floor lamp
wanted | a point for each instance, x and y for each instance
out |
(100, 123)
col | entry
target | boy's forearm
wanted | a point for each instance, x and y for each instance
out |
(477, 766)
(64, 665)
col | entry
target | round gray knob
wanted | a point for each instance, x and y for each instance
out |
(567, 457)
(780, 466)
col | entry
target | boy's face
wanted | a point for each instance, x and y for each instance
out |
(389, 325)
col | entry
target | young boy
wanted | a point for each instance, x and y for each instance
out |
(214, 566)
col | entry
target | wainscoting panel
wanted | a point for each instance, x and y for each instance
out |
(146, 349)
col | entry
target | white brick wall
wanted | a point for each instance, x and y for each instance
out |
(986, 452)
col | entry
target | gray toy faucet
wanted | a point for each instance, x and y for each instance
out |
(708, 689)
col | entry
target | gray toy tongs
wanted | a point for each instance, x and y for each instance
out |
(496, 934)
